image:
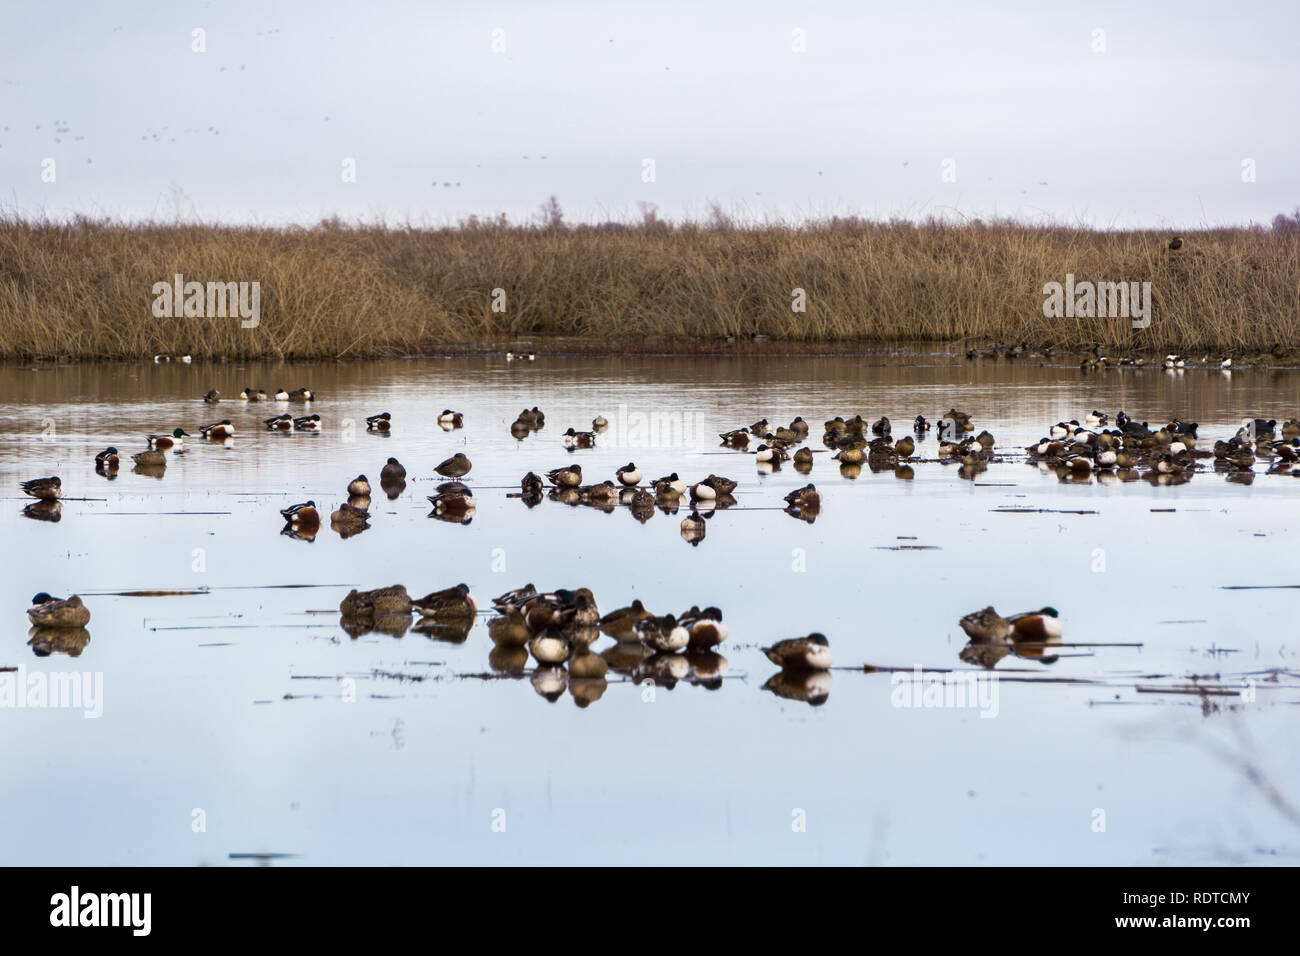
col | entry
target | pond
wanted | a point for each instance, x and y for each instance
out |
(242, 721)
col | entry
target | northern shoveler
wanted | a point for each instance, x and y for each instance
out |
(218, 431)
(302, 515)
(811, 653)
(173, 442)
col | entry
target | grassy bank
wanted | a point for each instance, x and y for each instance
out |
(84, 290)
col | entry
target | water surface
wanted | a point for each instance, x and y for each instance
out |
(235, 702)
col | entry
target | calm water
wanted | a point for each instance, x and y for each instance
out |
(227, 728)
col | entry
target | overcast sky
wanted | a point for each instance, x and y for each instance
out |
(1151, 130)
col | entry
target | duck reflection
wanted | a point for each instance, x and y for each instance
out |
(44, 511)
(449, 632)
(508, 659)
(550, 681)
(707, 668)
(809, 687)
(45, 641)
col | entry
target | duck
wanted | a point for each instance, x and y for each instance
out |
(515, 599)
(736, 438)
(45, 489)
(454, 419)
(669, 485)
(532, 417)
(850, 456)
(704, 628)
(881, 429)
(577, 439)
(302, 395)
(549, 648)
(604, 493)
(1041, 625)
(453, 503)
(622, 622)
(281, 394)
(213, 396)
(453, 603)
(567, 477)
(905, 447)
(150, 459)
(307, 423)
(769, 453)
(49, 611)
(703, 491)
(629, 475)
(724, 486)
(379, 423)
(457, 466)
(359, 487)
(599, 423)
(920, 426)
(218, 431)
(509, 629)
(349, 514)
(280, 423)
(107, 459)
(302, 515)
(799, 427)
(173, 442)
(392, 471)
(520, 430)
(811, 653)
(803, 456)
(662, 634)
(250, 394)
(531, 484)
(805, 498)
(579, 610)
(985, 626)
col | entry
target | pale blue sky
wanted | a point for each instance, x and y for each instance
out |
(1152, 131)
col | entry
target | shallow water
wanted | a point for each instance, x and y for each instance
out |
(231, 708)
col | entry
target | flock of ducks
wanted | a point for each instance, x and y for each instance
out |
(1126, 450)
(558, 629)
(1119, 449)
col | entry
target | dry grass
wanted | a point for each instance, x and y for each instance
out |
(83, 289)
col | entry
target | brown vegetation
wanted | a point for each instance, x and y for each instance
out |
(83, 289)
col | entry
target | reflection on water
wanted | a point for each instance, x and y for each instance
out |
(257, 700)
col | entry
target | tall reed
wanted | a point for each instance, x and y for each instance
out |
(82, 289)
